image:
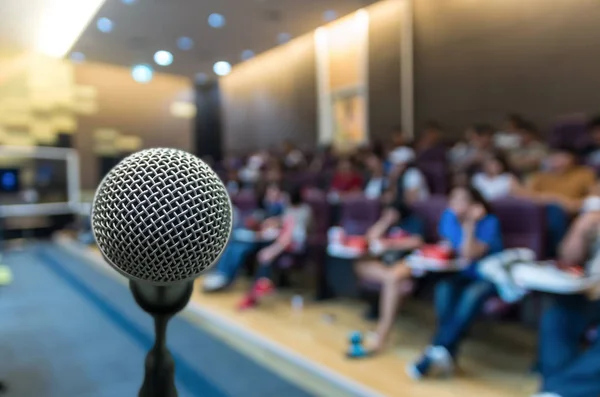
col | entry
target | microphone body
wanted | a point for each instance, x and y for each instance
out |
(161, 217)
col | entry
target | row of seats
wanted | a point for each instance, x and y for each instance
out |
(522, 222)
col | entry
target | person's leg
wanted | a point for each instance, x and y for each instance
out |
(568, 372)
(557, 222)
(395, 287)
(446, 296)
(468, 307)
(561, 330)
(226, 269)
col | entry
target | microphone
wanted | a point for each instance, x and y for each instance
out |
(160, 218)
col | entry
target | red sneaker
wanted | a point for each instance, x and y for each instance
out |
(248, 302)
(262, 287)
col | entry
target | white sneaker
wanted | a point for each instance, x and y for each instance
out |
(443, 363)
(214, 281)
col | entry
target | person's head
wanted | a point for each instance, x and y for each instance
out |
(274, 173)
(232, 175)
(513, 122)
(594, 129)
(464, 198)
(344, 166)
(398, 136)
(495, 164)
(527, 131)
(562, 159)
(295, 196)
(482, 136)
(374, 164)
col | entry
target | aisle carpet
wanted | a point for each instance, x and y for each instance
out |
(68, 330)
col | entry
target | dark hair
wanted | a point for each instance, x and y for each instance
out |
(526, 125)
(500, 158)
(481, 129)
(433, 125)
(516, 119)
(594, 123)
(295, 195)
(566, 150)
(477, 197)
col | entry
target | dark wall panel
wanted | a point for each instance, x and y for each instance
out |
(272, 98)
(479, 60)
(208, 124)
(384, 70)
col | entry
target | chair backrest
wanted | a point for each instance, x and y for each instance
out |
(571, 133)
(430, 211)
(245, 200)
(321, 211)
(358, 213)
(522, 223)
(436, 174)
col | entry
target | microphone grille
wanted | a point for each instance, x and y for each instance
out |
(161, 216)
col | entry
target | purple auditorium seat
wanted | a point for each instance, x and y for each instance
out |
(303, 179)
(430, 211)
(436, 154)
(245, 201)
(571, 133)
(522, 223)
(358, 213)
(437, 176)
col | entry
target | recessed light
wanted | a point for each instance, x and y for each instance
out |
(283, 38)
(163, 58)
(142, 73)
(222, 68)
(216, 20)
(329, 15)
(247, 54)
(104, 25)
(185, 43)
(77, 57)
(128, 1)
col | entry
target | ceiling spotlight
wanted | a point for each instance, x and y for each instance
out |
(329, 15)
(283, 38)
(247, 54)
(128, 1)
(104, 25)
(185, 43)
(142, 73)
(222, 68)
(77, 57)
(216, 20)
(163, 58)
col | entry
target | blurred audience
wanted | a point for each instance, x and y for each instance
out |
(509, 138)
(467, 157)
(592, 151)
(495, 181)
(529, 154)
(346, 178)
(410, 184)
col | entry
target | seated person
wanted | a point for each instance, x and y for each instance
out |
(270, 207)
(233, 182)
(567, 370)
(376, 179)
(561, 188)
(296, 222)
(592, 151)
(346, 178)
(509, 138)
(466, 158)
(496, 181)
(473, 232)
(528, 156)
(391, 272)
(407, 183)
(429, 146)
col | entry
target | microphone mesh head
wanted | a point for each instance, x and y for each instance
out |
(161, 216)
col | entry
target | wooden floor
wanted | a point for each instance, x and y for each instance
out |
(319, 333)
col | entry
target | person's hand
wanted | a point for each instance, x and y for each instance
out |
(475, 213)
(588, 221)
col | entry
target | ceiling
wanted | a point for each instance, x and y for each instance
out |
(146, 26)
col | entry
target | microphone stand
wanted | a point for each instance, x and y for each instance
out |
(162, 303)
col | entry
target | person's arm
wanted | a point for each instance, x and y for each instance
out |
(474, 246)
(574, 247)
(389, 217)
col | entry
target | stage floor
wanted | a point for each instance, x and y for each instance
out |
(307, 347)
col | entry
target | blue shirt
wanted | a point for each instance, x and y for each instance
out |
(487, 231)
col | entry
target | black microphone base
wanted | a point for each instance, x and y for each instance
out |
(162, 303)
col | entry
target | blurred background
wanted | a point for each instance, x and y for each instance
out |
(275, 93)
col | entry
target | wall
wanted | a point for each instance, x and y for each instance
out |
(479, 60)
(100, 106)
(271, 98)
